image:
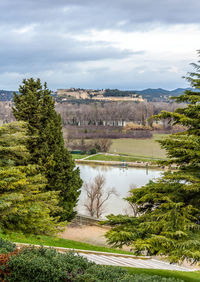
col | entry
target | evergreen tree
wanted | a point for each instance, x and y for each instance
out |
(34, 105)
(24, 205)
(168, 222)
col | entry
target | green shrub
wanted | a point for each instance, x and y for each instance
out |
(93, 151)
(7, 249)
(101, 273)
(44, 265)
(104, 273)
(6, 246)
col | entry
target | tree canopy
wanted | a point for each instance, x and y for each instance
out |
(168, 220)
(35, 105)
(24, 204)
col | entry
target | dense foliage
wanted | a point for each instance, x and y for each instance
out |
(117, 93)
(34, 105)
(41, 264)
(24, 204)
(6, 246)
(168, 219)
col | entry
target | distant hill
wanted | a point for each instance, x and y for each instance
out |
(179, 91)
(6, 95)
(150, 91)
(150, 94)
(160, 94)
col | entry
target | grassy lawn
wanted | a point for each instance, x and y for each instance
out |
(185, 276)
(135, 149)
(102, 157)
(139, 147)
(78, 156)
(57, 242)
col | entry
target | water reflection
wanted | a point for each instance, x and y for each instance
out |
(122, 178)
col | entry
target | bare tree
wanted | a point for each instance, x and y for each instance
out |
(132, 209)
(103, 145)
(97, 196)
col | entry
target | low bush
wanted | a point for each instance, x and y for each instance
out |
(41, 264)
(93, 151)
(6, 246)
(7, 249)
(46, 265)
(101, 273)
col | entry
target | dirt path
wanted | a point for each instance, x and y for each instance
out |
(87, 234)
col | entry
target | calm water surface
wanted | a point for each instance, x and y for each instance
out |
(118, 177)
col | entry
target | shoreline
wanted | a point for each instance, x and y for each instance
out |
(138, 164)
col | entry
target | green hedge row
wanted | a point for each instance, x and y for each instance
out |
(42, 265)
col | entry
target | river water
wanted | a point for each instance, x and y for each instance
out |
(118, 177)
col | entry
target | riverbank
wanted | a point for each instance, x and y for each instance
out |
(124, 164)
(120, 160)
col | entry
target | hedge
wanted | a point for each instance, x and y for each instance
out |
(41, 264)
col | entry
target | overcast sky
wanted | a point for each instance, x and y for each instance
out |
(126, 44)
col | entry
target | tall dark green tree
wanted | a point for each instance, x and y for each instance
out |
(25, 206)
(35, 105)
(168, 221)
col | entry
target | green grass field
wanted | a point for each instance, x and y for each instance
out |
(139, 147)
(78, 156)
(57, 242)
(131, 150)
(185, 276)
(102, 157)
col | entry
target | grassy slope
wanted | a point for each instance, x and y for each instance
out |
(57, 242)
(139, 147)
(185, 276)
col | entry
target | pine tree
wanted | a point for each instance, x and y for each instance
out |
(35, 105)
(169, 208)
(24, 205)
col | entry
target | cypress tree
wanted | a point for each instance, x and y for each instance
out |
(168, 221)
(24, 204)
(35, 105)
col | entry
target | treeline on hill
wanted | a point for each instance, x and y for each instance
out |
(112, 113)
(118, 93)
(153, 95)
(113, 119)
(110, 120)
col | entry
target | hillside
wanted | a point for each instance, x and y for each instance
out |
(149, 94)
(160, 94)
(6, 95)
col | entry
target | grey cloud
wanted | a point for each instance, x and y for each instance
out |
(104, 78)
(80, 15)
(72, 75)
(46, 51)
